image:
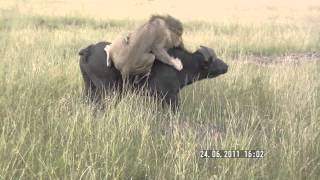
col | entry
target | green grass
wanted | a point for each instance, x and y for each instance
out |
(47, 131)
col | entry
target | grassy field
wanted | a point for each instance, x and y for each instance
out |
(47, 131)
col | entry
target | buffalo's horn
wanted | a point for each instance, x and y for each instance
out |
(212, 53)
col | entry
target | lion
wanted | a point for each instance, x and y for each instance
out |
(135, 53)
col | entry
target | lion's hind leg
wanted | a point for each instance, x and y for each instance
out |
(145, 63)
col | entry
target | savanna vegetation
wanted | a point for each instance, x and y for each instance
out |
(48, 131)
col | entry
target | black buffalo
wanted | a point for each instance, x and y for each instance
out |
(164, 81)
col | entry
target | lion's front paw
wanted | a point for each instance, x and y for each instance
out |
(177, 64)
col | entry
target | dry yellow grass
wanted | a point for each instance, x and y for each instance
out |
(204, 10)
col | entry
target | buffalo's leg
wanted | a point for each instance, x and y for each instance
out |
(95, 88)
(172, 100)
(90, 89)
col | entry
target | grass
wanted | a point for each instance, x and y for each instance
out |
(47, 131)
(228, 39)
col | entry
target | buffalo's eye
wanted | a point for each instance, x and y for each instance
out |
(206, 64)
(210, 60)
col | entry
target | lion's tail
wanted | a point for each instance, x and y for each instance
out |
(107, 50)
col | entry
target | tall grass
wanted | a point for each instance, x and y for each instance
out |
(228, 39)
(48, 131)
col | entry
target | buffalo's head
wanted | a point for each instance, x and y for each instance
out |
(211, 66)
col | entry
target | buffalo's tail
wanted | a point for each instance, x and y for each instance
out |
(84, 53)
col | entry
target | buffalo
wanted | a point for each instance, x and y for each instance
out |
(164, 81)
